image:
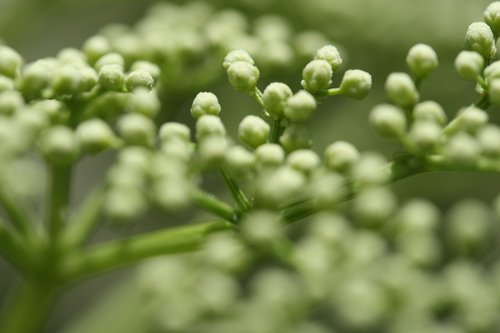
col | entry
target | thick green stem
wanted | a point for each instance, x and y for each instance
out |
(213, 205)
(58, 200)
(13, 250)
(16, 214)
(28, 308)
(119, 253)
(239, 197)
(276, 130)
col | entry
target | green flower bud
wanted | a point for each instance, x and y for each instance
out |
(269, 154)
(401, 90)
(422, 60)
(425, 134)
(236, 56)
(135, 157)
(300, 106)
(144, 102)
(59, 145)
(371, 170)
(10, 62)
(277, 187)
(304, 160)
(275, 97)
(418, 217)
(356, 83)
(374, 204)
(212, 149)
(469, 65)
(243, 76)
(95, 135)
(72, 57)
(317, 76)
(492, 72)
(469, 119)
(462, 149)
(209, 125)
(177, 149)
(95, 47)
(253, 131)
(54, 110)
(239, 160)
(331, 55)
(327, 188)
(272, 28)
(124, 204)
(171, 194)
(6, 83)
(307, 43)
(489, 140)
(479, 38)
(88, 78)
(10, 102)
(111, 77)
(389, 120)
(295, 136)
(430, 110)
(205, 103)
(139, 79)
(110, 59)
(494, 91)
(341, 156)
(136, 129)
(492, 16)
(35, 78)
(262, 227)
(174, 131)
(66, 80)
(147, 66)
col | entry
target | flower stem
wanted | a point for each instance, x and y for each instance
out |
(16, 214)
(239, 197)
(276, 130)
(213, 205)
(59, 197)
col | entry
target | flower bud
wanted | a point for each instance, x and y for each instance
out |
(277, 186)
(295, 136)
(489, 140)
(239, 160)
(66, 80)
(59, 146)
(389, 120)
(147, 66)
(88, 78)
(139, 79)
(430, 110)
(479, 38)
(111, 77)
(171, 194)
(110, 59)
(235, 56)
(95, 47)
(269, 154)
(209, 125)
(10, 102)
(492, 16)
(135, 157)
(6, 83)
(422, 60)
(469, 65)
(341, 156)
(275, 97)
(123, 204)
(356, 83)
(243, 76)
(401, 90)
(300, 106)
(374, 204)
(212, 149)
(173, 131)
(35, 78)
(492, 72)
(205, 103)
(371, 169)
(462, 149)
(136, 129)
(418, 217)
(253, 131)
(494, 91)
(10, 62)
(469, 119)
(331, 55)
(317, 76)
(304, 160)
(95, 135)
(262, 227)
(425, 134)
(144, 102)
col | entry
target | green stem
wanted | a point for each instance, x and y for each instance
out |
(12, 249)
(16, 214)
(28, 308)
(334, 92)
(59, 197)
(119, 253)
(275, 131)
(257, 95)
(213, 205)
(239, 197)
(86, 219)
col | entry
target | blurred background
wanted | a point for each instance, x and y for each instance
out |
(373, 35)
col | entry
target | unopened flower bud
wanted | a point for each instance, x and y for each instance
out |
(275, 97)
(295, 136)
(144, 102)
(374, 204)
(88, 78)
(239, 160)
(212, 149)
(253, 131)
(469, 65)
(123, 204)
(59, 145)
(356, 83)
(110, 59)
(66, 80)
(430, 110)
(269, 154)
(389, 120)
(10, 62)
(304, 160)
(95, 47)
(371, 169)
(401, 90)
(6, 83)
(425, 134)
(492, 72)
(136, 129)
(10, 102)
(139, 78)
(235, 56)
(317, 76)
(422, 60)
(209, 125)
(243, 76)
(469, 119)
(205, 103)
(341, 156)
(147, 66)
(494, 91)
(330, 54)
(489, 140)
(172, 131)
(111, 77)
(462, 149)
(492, 16)
(479, 38)
(95, 135)
(300, 106)
(278, 186)
(171, 194)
